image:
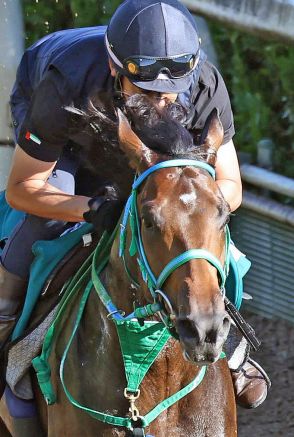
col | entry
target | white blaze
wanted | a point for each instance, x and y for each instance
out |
(188, 198)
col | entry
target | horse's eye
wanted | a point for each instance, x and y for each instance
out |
(147, 223)
(151, 217)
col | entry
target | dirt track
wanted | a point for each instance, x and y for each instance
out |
(275, 417)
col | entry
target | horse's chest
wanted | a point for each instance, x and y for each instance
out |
(163, 378)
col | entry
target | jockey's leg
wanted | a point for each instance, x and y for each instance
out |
(15, 263)
(26, 422)
(17, 255)
(251, 383)
(14, 271)
(12, 292)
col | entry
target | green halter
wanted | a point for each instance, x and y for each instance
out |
(136, 246)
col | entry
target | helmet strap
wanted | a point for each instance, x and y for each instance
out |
(118, 92)
(117, 83)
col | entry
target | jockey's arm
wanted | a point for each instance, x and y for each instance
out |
(228, 175)
(28, 191)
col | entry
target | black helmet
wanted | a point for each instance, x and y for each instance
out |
(154, 43)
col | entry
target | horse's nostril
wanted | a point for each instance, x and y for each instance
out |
(211, 336)
(219, 330)
(187, 329)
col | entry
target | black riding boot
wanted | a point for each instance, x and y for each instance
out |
(12, 291)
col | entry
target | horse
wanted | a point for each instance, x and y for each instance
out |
(166, 266)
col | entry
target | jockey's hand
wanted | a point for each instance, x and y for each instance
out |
(105, 210)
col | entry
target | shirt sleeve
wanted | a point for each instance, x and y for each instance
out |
(44, 131)
(224, 107)
(209, 93)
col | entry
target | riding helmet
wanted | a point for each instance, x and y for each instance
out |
(155, 44)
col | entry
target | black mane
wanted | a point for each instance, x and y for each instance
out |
(95, 126)
(161, 129)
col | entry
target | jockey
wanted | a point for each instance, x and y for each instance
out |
(150, 47)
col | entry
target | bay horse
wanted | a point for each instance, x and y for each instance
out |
(169, 260)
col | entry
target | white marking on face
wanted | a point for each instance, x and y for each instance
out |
(189, 198)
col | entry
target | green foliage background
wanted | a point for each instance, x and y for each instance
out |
(46, 16)
(259, 74)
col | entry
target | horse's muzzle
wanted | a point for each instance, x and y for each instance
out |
(202, 340)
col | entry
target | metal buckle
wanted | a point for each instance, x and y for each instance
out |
(166, 300)
(132, 397)
(87, 240)
(171, 316)
(110, 315)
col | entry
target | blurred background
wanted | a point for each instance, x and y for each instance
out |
(252, 43)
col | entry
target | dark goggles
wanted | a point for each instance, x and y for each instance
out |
(148, 68)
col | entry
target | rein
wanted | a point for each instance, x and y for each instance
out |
(150, 336)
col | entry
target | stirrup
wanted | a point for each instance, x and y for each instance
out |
(251, 385)
(262, 371)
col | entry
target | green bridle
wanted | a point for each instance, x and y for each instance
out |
(131, 216)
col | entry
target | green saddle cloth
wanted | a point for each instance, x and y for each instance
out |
(47, 255)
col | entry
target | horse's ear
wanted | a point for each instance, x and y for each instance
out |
(212, 136)
(139, 155)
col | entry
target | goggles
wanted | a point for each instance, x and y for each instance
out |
(148, 68)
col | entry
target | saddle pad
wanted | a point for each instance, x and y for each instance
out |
(236, 348)
(20, 357)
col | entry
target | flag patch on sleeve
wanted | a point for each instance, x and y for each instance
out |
(30, 136)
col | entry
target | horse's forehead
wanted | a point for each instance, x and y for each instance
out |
(180, 189)
(186, 182)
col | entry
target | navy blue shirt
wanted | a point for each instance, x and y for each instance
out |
(67, 67)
